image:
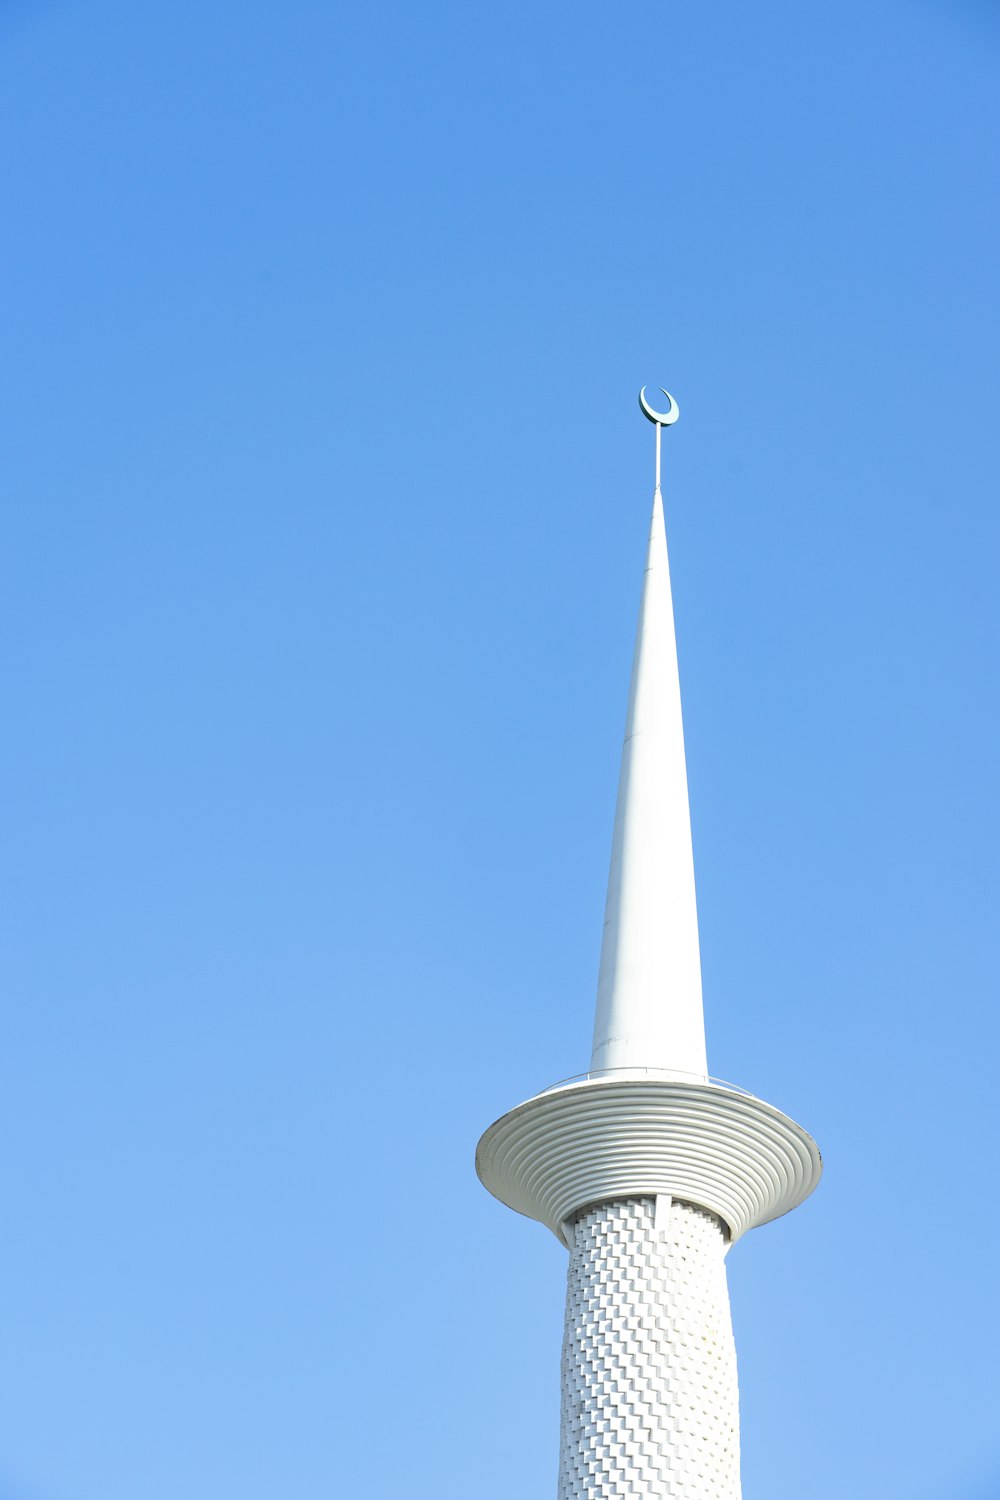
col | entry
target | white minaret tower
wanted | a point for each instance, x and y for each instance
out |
(647, 1170)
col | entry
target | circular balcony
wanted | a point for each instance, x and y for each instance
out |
(641, 1132)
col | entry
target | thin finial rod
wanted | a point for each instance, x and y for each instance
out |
(660, 419)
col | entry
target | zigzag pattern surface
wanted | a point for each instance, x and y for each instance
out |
(650, 1404)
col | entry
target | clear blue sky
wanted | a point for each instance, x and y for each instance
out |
(325, 498)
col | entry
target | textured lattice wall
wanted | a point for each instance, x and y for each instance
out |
(649, 1395)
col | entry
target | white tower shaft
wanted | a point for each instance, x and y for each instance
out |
(646, 1170)
(649, 1395)
(649, 1005)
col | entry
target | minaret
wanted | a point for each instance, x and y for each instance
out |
(646, 1169)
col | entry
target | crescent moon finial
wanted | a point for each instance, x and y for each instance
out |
(661, 418)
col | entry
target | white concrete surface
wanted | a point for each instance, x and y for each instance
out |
(649, 1391)
(649, 1004)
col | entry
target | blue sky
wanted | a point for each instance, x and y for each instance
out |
(325, 498)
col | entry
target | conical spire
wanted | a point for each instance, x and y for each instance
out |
(649, 1007)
